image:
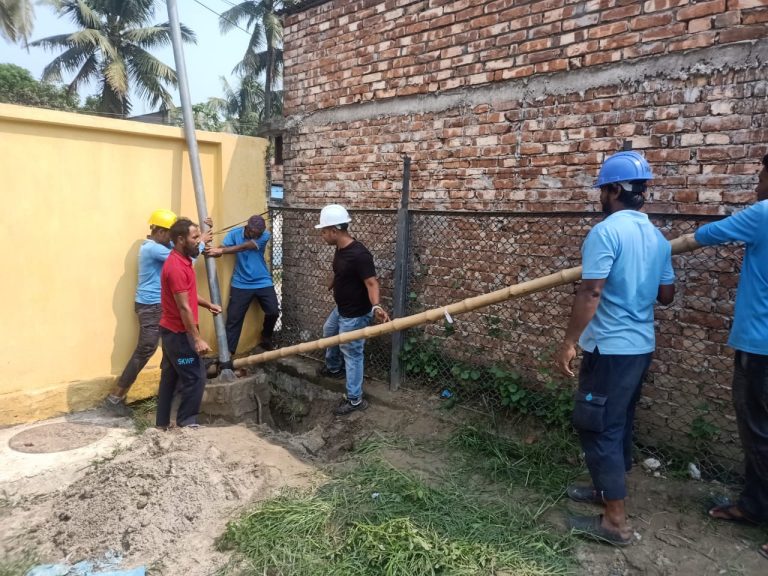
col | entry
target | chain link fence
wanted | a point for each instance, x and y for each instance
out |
(498, 359)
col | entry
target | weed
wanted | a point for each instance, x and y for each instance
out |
(376, 519)
(376, 441)
(547, 464)
(424, 359)
(144, 414)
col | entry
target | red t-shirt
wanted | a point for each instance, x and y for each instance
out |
(177, 276)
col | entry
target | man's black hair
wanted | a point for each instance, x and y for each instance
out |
(633, 198)
(181, 228)
(344, 226)
(765, 161)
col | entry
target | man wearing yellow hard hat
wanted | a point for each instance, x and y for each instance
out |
(152, 255)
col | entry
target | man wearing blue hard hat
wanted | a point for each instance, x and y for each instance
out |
(627, 267)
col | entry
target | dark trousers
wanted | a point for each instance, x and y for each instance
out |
(239, 301)
(604, 414)
(750, 400)
(149, 338)
(181, 369)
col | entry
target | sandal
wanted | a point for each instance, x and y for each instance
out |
(592, 527)
(763, 551)
(726, 512)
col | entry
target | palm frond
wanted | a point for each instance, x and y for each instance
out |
(116, 77)
(70, 60)
(16, 19)
(230, 19)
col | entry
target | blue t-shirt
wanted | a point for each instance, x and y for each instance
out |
(251, 270)
(635, 259)
(152, 256)
(749, 332)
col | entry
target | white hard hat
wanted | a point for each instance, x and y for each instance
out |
(333, 215)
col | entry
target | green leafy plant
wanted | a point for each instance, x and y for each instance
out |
(547, 399)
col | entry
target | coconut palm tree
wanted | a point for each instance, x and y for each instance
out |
(111, 48)
(244, 105)
(261, 19)
(16, 19)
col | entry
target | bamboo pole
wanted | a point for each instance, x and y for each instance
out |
(679, 245)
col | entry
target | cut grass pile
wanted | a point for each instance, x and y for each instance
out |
(377, 520)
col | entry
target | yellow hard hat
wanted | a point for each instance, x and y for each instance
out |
(162, 218)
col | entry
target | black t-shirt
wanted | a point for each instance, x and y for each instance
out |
(352, 265)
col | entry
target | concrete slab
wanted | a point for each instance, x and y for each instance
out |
(28, 474)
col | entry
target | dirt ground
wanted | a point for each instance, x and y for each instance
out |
(162, 499)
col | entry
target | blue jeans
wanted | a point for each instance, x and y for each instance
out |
(349, 355)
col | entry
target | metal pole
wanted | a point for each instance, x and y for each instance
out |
(225, 360)
(401, 275)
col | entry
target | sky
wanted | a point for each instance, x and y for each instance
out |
(213, 56)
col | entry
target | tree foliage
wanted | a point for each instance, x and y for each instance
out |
(18, 86)
(111, 47)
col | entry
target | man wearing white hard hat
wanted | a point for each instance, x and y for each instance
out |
(356, 293)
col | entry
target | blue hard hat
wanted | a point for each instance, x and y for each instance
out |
(624, 167)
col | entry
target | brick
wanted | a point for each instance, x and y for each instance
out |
(728, 19)
(621, 13)
(700, 40)
(673, 31)
(620, 41)
(701, 9)
(656, 5)
(651, 21)
(699, 24)
(721, 153)
(598, 58)
(742, 34)
(608, 30)
(645, 49)
(742, 4)
(551, 66)
(756, 16)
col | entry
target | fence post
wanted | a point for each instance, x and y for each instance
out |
(401, 274)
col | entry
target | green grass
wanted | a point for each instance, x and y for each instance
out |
(547, 464)
(144, 414)
(377, 441)
(376, 520)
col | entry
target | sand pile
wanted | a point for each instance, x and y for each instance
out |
(167, 497)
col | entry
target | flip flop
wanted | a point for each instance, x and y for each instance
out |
(592, 527)
(763, 551)
(726, 511)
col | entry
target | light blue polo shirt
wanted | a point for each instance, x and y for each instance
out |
(152, 256)
(635, 259)
(251, 270)
(749, 332)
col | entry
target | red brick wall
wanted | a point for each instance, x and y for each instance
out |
(345, 52)
(513, 105)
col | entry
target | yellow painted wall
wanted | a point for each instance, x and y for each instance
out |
(76, 194)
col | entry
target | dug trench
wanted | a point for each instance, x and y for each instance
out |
(406, 481)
